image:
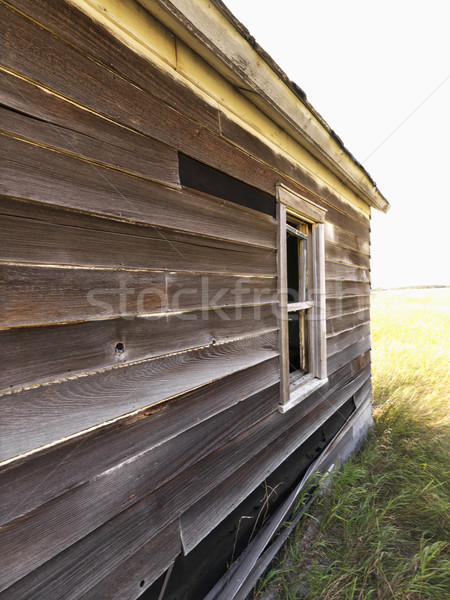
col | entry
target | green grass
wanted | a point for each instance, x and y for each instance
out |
(383, 530)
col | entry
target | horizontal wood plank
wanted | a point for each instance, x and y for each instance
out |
(35, 538)
(349, 353)
(347, 239)
(342, 272)
(92, 38)
(41, 294)
(340, 341)
(338, 289)
(78, 460)
(99, 140)
(134, 575)
(75, 405)
(347, 321)
(35, 233)
(336, 253)
(97, 556)
(31, 355)
(187, 291)
(39, 174)
(340, 306)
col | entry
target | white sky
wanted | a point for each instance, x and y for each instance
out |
(370, 68)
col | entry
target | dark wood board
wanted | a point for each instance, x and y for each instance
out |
(62, 237)
(36, 537)
(31, 355)
(44, 295)
(38, 295)
(73, 25)
(85, 134)
(39, 174)
(190, 290)
(347, 321)
(41, 415)
(37, 479)
(62, 68)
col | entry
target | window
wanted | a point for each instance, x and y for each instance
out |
(301, 293)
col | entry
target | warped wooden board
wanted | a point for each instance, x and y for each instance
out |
(333, 252)
(190, 290)
(39, 174)
(37, 479)
(31, 355)
(36, 233)
(83, 133)
(98, 556)
(63, 68)
(202, 517)
(34, 295)
(339, 236)
(35, 538)
(157, 509)
(39, 416)
(364, 393)
(341, 341)
(342, 306)
(347, 321)
(342, 272)
(349, 353)
(88, 35)
(338, 289)
(137, 573)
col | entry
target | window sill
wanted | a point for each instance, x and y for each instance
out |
(301, 389)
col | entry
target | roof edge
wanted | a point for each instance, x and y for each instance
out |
(210, 29)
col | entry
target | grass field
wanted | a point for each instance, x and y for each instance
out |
(383, 529)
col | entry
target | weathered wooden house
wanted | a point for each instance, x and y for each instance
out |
(185, 299)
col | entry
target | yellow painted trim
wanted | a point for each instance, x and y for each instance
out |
(135, 26)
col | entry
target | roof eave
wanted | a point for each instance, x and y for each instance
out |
(218, 37)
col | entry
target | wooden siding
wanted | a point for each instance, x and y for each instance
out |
(139, 327)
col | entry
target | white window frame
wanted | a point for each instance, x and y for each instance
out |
(295, 387)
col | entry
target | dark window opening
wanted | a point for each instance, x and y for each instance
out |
(297, 280)
(294, 341)
(292, 248)
(198, 176)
